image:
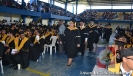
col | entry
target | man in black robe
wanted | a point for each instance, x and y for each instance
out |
(21, 55)
(83, 34)
(91, 34)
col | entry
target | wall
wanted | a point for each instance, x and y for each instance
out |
(28, 20)
(1, 16)
(15, 17)
(114, 25)
(45, 22)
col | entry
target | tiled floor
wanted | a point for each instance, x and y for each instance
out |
(56, 65)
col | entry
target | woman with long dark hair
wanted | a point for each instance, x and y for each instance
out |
(72, 41)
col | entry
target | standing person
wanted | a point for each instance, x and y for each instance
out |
(61, 36)
(91, 34)
(108, 32)
(83, 34)
(72, 41)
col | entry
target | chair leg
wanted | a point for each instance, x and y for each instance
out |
(42, 55)
(44, 49)
(1, 67)
(50, 50)
(55, 49)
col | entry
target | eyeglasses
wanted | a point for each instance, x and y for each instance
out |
(130, 58)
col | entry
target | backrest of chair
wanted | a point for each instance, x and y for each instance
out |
(54, 38)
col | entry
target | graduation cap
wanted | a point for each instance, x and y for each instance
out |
(120, 36)
(12, 32)
(73, 20)
(120, 43)
(126, 52)
(21, 32)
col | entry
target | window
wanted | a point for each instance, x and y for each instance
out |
(47, 1)
(121, 7)
(26, 1)
(18, 1)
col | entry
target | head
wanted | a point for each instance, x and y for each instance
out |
(81, 23)
(60, 22)
(22, 35)
(127, 58)
(72, 22)
(91, 22)
(3, 31)
(121, 38)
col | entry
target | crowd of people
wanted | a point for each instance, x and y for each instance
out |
(87, 14)
(108, 16)
(20, 43)
(127, 16)
(46, 7)
(14, 4)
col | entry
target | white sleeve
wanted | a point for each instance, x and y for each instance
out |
(37, 37)
(86, 39)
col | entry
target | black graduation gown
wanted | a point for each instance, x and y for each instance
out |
(83, 34)
(47, 39)
(36, 50)
(23, 56)
(91, 36)
(108, 33)
(72, 38)
(7, 58)
(100, 31)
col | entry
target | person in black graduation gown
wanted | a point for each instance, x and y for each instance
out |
(91, 34)
(100, 30)
(3, 37)
(96, 33)
(83, 34)
(72, 41)
(9, 44)
(37, 47)
(21, 56)
(108, 32)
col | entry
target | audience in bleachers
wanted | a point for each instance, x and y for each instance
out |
(108, 16)
(14, 4)
(127, 16)
(46, 7)
(87, 14)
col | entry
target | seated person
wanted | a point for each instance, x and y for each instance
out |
(20, 52)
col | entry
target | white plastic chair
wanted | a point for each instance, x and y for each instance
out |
(1, 67)
(53, 38)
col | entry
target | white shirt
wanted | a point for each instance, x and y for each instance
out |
(124, 72)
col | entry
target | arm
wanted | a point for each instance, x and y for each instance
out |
(86, 34)
(78, 37)
(26, 46)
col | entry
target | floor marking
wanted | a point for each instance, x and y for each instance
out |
(37, 72)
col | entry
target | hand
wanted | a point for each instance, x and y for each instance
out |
(7, 52)
(85, 42)
(78, 45)
(60, 42)
(38, 42)
(16, 52)
(6, 45)
(90, 31)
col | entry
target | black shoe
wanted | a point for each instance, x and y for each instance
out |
(15, 67)
(69, 64)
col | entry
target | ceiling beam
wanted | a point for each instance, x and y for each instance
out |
(88, 2)
(71, 1)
